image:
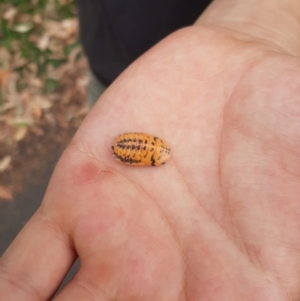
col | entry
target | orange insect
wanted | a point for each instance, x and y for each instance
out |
(141, 150)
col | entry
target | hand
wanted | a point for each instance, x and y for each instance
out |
(220, 221)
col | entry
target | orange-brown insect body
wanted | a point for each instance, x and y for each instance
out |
(141, 150)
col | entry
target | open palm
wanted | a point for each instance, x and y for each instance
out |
(220, 221)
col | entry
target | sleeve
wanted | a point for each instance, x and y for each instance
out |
(116, 32)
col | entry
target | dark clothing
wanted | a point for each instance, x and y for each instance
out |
(114, 33)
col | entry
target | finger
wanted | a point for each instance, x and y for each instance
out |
(36, 262)
(80, 291)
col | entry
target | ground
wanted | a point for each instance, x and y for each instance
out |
(43, 81)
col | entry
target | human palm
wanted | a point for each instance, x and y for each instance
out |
(220, 221)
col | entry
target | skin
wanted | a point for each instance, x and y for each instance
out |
(221, 220)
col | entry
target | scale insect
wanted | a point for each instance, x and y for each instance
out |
(139, 149)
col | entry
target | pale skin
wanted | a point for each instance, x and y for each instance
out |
(221, 220)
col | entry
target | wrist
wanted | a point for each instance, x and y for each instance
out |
(275, 22)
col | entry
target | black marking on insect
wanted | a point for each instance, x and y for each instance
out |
(141, 150)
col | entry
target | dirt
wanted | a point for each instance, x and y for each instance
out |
(28, 159)
(24, 149)
(39, 113)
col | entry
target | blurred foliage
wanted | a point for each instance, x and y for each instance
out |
(22, 25)
(56, 8)
(40, 54)
(43, 81)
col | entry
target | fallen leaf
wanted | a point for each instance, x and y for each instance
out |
(22, 28)
(74, 55)
(70, 26)
(20, 134)
(63, 2)
(37, 111)
(4, 58)
(37, 19)
(19, 121)
(43, 42)
(3, 77)
(6, 107)
(52, 27)
(57, 49)
(43, 102)
(50, 7)
(18, 61)
(5, 193)
(83, 81)
(10, 14)
(5, 163)
(37, 131)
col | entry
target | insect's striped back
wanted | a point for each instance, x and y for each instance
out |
(141, 150)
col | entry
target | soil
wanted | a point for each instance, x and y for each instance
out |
(33, 161)
(39, 110)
